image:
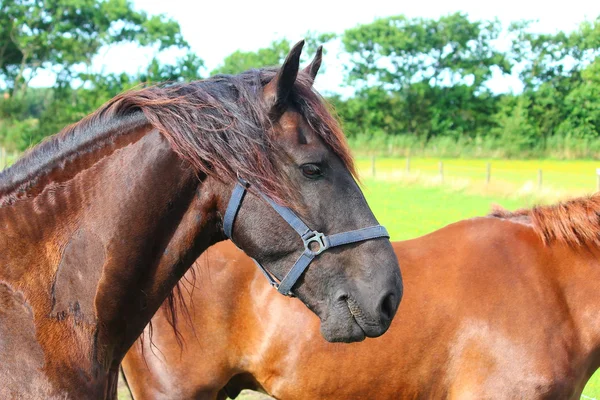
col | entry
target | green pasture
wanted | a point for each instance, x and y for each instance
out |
(560, 179)
(409, 210)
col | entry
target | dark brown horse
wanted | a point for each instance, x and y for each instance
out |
(500, 307)
(100, 222)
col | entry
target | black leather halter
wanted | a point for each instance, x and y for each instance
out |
(307, 235)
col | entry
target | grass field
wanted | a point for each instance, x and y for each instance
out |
(411, 210)
(509, 178)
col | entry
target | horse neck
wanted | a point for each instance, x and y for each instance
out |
(266, 347)
(95, 256)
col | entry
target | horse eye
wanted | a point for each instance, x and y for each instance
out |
(311, 171)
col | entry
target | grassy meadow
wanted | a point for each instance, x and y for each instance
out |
(412, 203)
(508, 178)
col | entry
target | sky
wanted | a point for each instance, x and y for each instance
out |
(215, 29)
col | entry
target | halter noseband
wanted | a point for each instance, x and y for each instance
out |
(307, 235)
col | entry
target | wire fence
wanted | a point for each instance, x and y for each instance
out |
(545, 178)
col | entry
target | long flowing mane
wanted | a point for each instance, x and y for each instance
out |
(574, 222)
(219, 125)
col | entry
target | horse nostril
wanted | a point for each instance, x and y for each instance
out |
(343, 297)
(387, 307)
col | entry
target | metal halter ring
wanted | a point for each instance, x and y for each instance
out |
(315, 237)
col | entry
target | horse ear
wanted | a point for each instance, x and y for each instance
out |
(313, 68)
(276, 92)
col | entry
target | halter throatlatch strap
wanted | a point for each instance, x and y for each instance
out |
(315, 242)
(235, 201)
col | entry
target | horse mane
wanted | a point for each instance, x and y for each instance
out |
(220, 126)
(87, 136)
(575, 222)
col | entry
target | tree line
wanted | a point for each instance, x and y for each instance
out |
(419, 85)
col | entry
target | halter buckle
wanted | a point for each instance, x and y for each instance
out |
(316, 237)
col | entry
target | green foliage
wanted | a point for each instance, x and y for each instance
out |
(66, 105)
(372, 111)
(188, 68)
(583, 106)
(514, 126)
(399, 51)
(17, 134)
(431, 73)
(420, 85)
(61, 34)
(272, 55)
(557, 115)
(427, 78)
(241, 61)
(19, 117)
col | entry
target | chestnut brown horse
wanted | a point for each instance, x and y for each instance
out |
(100, 222)
(498, 307)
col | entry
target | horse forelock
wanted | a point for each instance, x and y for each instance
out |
(575, 222)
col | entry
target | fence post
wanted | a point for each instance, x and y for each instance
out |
(407, 164)
(598, 179)
(442, 171)
(488, 174)
(373, 166)
(539, 178)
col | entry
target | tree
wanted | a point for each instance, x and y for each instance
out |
(547, 58)
(435, 70)
(273, 55)
(187, 68)
(583, 105)
(240, 61)
(59, 35)
(557, 71)
(398, 51)
(63, 36)
(371, 111)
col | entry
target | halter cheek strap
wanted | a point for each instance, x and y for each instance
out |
(311, 239)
